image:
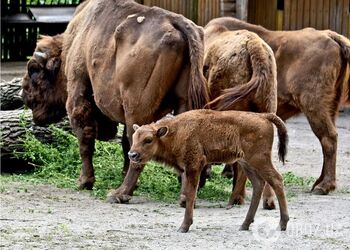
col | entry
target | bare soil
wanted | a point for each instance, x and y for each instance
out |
(36, 216)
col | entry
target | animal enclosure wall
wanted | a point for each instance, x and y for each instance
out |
(298, 14)
(199, 11)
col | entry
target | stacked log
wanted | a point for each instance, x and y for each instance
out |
(15, 122)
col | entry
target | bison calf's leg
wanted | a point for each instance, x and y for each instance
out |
(276, 182)
(190, 185)
(258, 185)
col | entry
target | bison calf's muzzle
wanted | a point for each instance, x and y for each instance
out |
(134, 157)
(196, 138)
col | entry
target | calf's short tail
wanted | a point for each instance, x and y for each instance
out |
(282, 135)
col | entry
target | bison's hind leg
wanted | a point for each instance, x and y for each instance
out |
(275, 180)
(323, 125)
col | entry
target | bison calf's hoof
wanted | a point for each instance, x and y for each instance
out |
(183, 229)
(115, 197)
(244, 227)
(269, 204)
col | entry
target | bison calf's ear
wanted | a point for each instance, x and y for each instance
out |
(135, 127)
(163, 131)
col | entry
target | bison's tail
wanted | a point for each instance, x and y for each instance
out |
(344, 45)
(198, 90)
(263, 82)
(282, 135)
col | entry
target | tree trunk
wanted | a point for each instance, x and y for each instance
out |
(9, 94)
(13, 127)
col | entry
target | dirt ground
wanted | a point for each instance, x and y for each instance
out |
(45, 217)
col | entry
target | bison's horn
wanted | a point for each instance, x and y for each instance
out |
(41, 57)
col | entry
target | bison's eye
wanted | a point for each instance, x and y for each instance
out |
(147, 141)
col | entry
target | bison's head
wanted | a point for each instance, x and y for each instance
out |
(146, 141)
(44, 87)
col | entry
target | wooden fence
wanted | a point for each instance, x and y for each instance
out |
(200, 11)
(298, 14)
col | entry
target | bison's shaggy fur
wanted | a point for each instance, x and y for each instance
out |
(313, 78)
(120, 62)
(242, 75)
(193, 139)
(241, 71)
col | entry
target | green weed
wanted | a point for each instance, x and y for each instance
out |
(59, 163)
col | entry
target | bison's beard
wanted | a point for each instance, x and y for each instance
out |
(46, 116)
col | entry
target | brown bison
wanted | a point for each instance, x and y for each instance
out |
(120, 62)
(195, 138)
(242, 65)
(241, 71)
(313, 79)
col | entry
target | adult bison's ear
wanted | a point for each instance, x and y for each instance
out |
(53, 66)
(163, 131)
(135, 127)
(33, 68)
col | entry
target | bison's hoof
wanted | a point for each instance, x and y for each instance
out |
(244, 227)
(283, 226)
(183, 229)
(182, 201)
(319, 191)
(269, 204)
(323, 189)
(239, 200)
(86, 182)
(115, 197)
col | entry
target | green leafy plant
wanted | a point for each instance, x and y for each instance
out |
(59, 163)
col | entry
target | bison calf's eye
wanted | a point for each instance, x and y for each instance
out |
(147, 141)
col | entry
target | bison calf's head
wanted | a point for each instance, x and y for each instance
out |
(146, 142)
(44, 90)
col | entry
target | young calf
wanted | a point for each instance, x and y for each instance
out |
(193, 139)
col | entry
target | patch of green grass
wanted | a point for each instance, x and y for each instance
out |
(290, 179)
(59, 163)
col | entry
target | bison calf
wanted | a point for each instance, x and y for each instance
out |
(193, 139)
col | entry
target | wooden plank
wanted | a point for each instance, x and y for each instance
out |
(333, 14)
(345, 26)
(306, 13)
(326, 10)
(319, 15)
(338, 24)
(300, 13)
(293, 15)
(313, 13)
(286, 16)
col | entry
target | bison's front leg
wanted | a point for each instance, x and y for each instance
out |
(124, 192)
(80, 112)
(190, 184)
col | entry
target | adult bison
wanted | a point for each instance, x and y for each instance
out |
(313, 79)
(119, 62)
(240, 64)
